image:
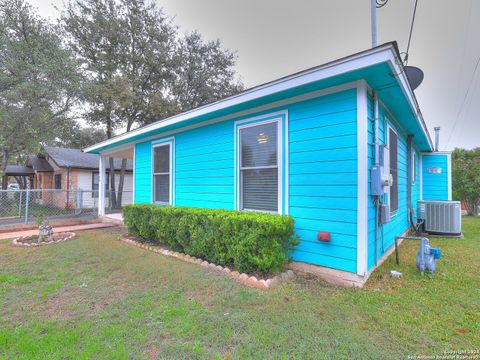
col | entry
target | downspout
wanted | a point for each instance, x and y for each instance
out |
(409, 180)
(409, 172)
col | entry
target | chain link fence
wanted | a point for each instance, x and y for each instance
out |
(27, 206)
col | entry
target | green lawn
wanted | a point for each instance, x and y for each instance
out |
(97, 297)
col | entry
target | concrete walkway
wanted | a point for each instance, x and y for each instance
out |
(15, 234)
(116, 218)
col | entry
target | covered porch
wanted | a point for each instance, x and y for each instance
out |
(123, 152)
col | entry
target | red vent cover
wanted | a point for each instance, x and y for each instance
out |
(324, 236)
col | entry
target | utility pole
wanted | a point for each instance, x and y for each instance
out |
(374, 22)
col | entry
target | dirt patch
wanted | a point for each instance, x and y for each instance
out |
(204, 296)
(308, 281)
(70, 303)
(60, 304)
(154, 353)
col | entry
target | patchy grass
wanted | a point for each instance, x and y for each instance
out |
(97, 297)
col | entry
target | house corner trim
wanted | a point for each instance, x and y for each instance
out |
(362, 178)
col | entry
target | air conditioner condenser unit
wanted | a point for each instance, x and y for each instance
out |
(440, 217)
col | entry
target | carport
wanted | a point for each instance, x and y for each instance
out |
(21, 174)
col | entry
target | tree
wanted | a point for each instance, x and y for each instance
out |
(466, 178)
(137, 66)
(205, 72)
(80, 137)
(38, 81)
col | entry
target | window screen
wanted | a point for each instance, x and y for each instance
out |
(393, 143)
(161, 174)
(58, 181)
(259, 167)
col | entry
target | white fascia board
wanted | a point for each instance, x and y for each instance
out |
(436, 153)
(401, 77)
(365, 59)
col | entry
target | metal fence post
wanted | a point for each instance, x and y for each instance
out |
(27, 198)
(20, 204)
(79, 201)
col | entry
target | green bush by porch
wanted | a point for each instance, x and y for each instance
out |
(249, 241)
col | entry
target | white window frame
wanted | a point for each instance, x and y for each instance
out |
(389, 126)
(170, 143)
(252, 123)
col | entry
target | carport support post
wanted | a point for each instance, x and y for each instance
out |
(102, 177)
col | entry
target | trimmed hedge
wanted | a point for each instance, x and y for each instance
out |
(249, 241)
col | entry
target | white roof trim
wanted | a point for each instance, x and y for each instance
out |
(385, 53)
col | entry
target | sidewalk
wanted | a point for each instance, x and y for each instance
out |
(15, 234)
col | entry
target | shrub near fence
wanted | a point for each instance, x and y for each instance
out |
(249, 241)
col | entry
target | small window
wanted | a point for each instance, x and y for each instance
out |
(393, 145)
(414, 168)
(95, 181)
(58, 181)
(162, 174)
(259, 167)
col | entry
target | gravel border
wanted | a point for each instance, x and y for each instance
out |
(245, 279)
(18, 241)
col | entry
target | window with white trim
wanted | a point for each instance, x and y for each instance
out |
(259, 167)
(162, 174)
(393, 148)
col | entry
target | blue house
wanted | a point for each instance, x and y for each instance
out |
(302, 145)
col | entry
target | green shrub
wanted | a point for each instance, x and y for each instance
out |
(247, 240)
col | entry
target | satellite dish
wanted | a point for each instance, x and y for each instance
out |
(414, 75)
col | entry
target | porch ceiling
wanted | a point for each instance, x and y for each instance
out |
(124, 153)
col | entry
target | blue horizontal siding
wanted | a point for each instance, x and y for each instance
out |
(322, 152)
(435, 186)
(399, 222)
(323, 179)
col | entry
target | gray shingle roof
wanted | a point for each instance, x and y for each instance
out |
(18, 170)
(39, 164)
(75, 158)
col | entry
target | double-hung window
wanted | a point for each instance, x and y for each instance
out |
(162, 174)
(95, 183)
(259, 167)
(393, 147)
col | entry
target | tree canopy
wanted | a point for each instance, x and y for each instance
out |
(118, 64)
(466, 178)
(138, 67)
(39, 82)
(79, 137)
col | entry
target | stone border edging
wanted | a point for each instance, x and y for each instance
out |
(242, 278)
(18, 241)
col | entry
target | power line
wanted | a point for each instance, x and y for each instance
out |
(464, 100)
(405, 60)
